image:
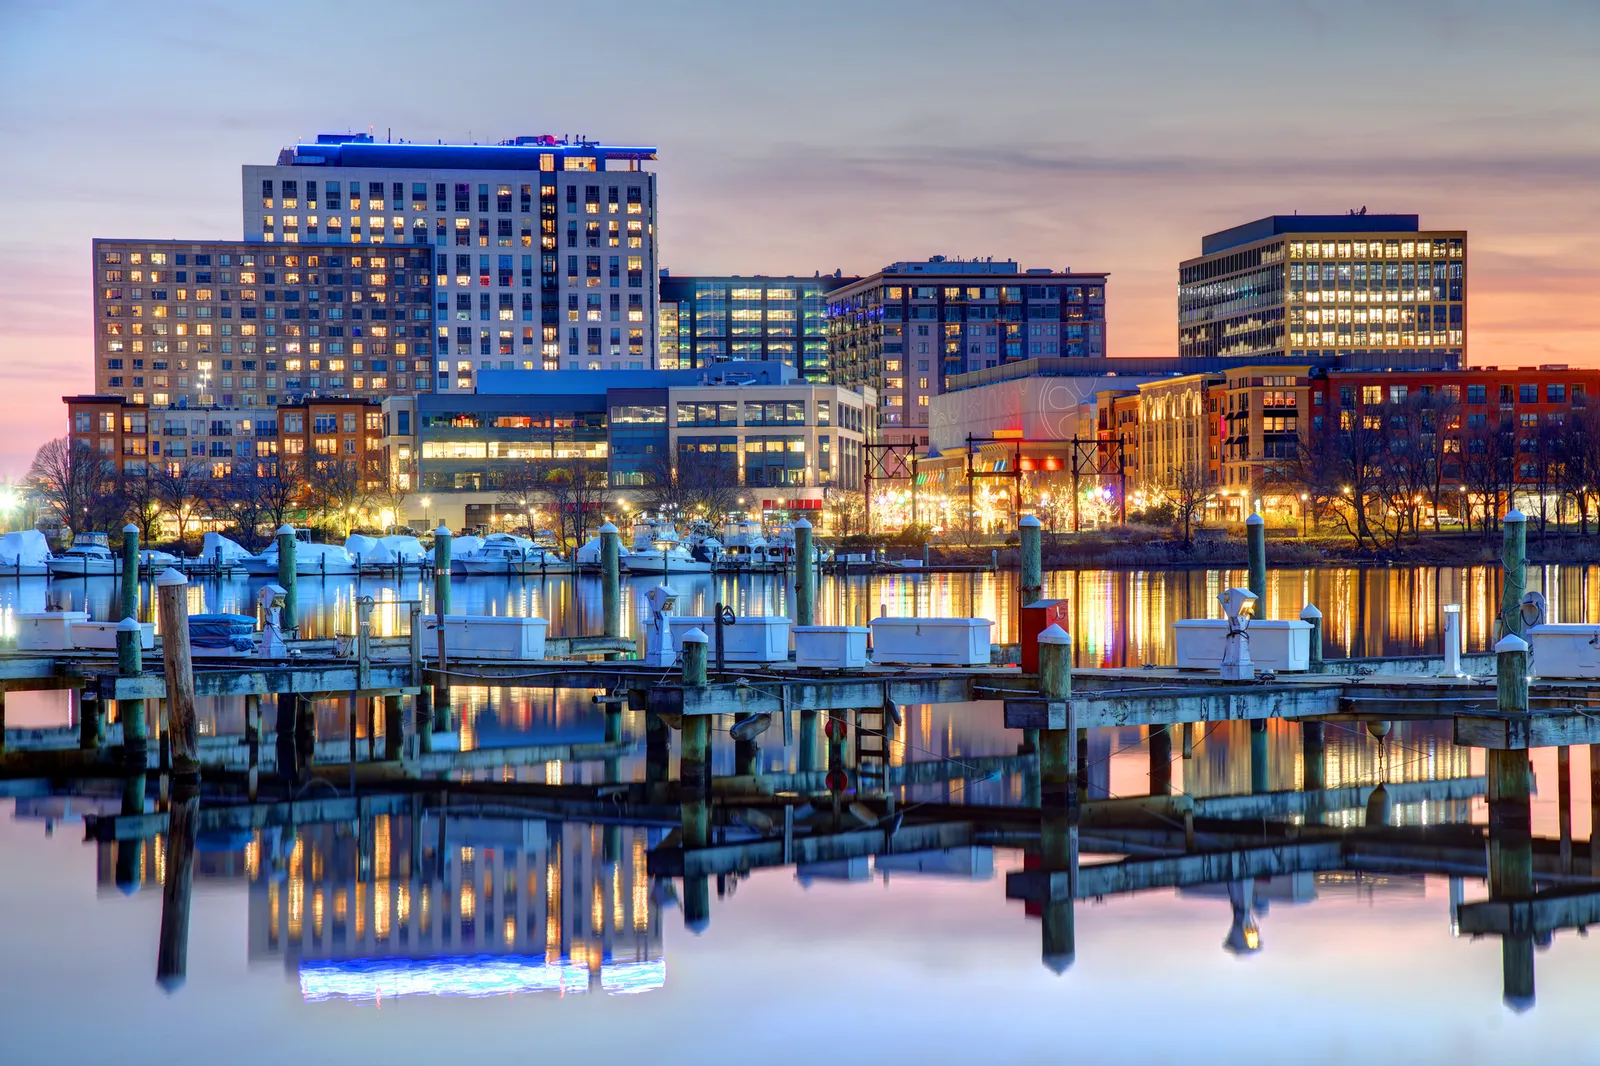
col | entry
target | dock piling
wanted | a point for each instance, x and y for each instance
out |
(1058, 749)
(130, 657)
(172, 953)
(172, 590)
(1310, 613)
(611, 583)
(441, 607)
(805, 575)
(1255, 539)
(394, 728)
(1160, 760)
(1514, 564)
(1030, 536)
(1452, 640)
(287, 573)
(1511, 674)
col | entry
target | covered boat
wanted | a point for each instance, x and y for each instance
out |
(24, 553)
(310, 560)
(503, 554)
(218, 550)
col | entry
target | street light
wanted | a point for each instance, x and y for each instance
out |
(1303, 498)
(427, 502)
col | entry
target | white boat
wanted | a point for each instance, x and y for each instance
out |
(24, 553)
(503, 554)
(88, 557)
(743, 546)
(219, 551)
(310, 560)
(588, 555)
(663, 555)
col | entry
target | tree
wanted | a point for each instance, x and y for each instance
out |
(184, 488)
(393, 490)
(335, 488)
(1189, 490)
(283, 489)
(576, 492)
(844, 506)
(142, 495)
(74, 485)
(1487, 465)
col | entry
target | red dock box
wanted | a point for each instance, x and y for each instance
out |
(1035, 618)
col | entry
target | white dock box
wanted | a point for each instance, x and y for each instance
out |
(751, 639)
(1564, 650)
(1275, 644)
(931, 641)
(485, 636)
(102, 636)
(830, 647)
(47, 630)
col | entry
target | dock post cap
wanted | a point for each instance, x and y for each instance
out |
(607, 528)
(694, 636)
(801, 523)
(1058, 964)
(1055, 635)
(1255, 519)
(442, 531)
(1511, 642)
(1309, 612)
(1029, 522)
(130, 528)
(170, 577)
(286, 528)
(1514, 515)
(128, 625)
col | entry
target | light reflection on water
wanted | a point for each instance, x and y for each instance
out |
(1119, 617)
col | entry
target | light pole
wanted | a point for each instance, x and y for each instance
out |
(427, 504)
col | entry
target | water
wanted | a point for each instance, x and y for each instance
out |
(416, 932)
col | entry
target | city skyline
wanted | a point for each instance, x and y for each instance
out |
(853, 155)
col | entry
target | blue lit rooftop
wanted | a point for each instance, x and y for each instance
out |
(350, 150)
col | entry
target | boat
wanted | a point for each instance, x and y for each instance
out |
(743, 546)
(664, 554)
(24, 553)
(310, 560)
(220, 552)
(502, 554)
(462, 545)
(89, 556)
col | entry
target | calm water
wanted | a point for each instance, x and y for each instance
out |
(418, 933)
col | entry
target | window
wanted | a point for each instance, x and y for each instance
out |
(1555, 393)
(1477, 394)
(1527, 394)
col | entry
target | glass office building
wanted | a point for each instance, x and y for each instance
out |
(709, 320)
(1369, 289)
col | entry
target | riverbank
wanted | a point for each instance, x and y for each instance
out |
(1138, 548)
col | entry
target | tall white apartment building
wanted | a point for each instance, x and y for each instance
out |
(543, 249)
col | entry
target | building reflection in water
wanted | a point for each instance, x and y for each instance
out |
(431, 904)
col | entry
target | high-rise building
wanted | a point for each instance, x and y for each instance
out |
(249, 324)
(905, 328)
(709, 320)
(1365, 290)
(543, 249)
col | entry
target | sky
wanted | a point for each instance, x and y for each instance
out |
(821, 135)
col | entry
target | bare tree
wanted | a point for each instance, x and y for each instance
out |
(576, 491)
(1189, 490)
(185, 488)
(141, 493)
(75, 485)
(335, 488)
(1487, 466)
(845, 507)
(519, 485)
(393, 489)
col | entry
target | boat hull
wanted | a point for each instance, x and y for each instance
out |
(84, 567)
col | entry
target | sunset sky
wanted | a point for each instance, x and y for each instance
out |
(825, 135)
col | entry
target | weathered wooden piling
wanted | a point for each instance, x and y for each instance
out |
(422, 719)
(1030, 539)
(805, 575)
(1511, 675)
(807, 733)
(441, 607)
(1258, 756)
(1514, 566)
(172, 595)
(694, 762)
(1255, 539)
(172, 953)
(394, 727)
(1313, 756)
(1160, 744)
(1058, 847)
(130, 663)
(288, 575)
(130, 572)
(1310, 613)
(611, 583)
(1058, 747)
